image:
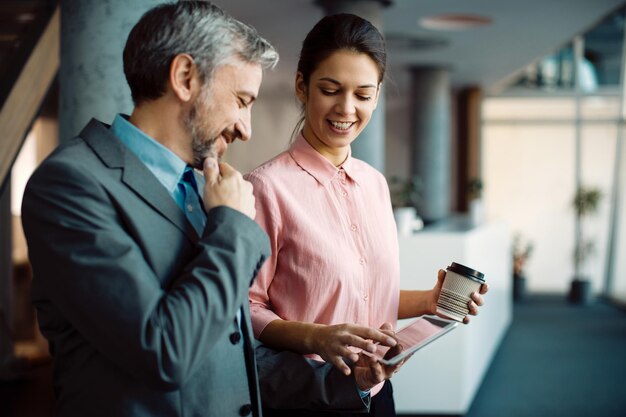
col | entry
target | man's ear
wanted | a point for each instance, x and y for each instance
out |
(184, 79)
(301, 91)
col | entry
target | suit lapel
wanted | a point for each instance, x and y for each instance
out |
(135, 175)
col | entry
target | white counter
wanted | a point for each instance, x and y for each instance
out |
(443, 377)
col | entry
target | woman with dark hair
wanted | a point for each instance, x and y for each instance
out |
(333, 277)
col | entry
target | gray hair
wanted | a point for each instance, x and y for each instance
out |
(198, 28)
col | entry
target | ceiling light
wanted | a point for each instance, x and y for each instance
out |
(454, 22)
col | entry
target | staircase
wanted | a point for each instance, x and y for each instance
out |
(29, 62)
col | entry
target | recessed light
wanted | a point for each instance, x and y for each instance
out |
(454, 22)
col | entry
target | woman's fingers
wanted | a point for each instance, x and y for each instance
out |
(364, 338)
(337, 342)
(384, 336)
(478, 299)
(338, 362)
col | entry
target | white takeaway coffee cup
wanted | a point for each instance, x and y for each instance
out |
(459, 284)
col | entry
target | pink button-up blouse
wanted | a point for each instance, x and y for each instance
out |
(334, 245)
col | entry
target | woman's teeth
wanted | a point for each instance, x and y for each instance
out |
(341, 125)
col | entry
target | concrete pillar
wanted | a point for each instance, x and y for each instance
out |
(370, 145)
(431, 142)
(92, 82)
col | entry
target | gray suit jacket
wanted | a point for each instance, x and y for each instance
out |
(140, 312)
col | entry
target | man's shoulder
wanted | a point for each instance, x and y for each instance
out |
(73, 152)
(74, 155)
(82, 149)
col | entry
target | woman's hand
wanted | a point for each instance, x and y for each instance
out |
(368, 372)
(333, 342)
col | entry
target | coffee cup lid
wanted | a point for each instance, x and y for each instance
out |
(468, 272)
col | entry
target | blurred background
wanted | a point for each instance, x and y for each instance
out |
(501, 135)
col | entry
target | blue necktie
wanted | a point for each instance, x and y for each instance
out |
(194, 209)
(192, 204)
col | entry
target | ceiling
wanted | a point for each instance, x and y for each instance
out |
(521, 32)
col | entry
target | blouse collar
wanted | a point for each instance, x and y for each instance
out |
(319, 167)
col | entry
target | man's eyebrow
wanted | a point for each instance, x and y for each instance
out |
(332, 80)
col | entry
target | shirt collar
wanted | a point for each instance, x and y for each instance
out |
(319, 167)
(166, 166)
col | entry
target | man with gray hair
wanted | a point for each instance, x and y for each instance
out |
(142, 264)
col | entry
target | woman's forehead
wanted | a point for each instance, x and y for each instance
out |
(348, 67)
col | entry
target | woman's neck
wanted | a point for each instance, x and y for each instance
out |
(336, 156)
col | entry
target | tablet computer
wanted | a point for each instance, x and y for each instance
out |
(415, 336)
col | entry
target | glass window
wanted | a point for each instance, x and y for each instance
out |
(600, 66)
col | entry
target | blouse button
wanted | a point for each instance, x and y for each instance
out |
(344, 193)
(365, 297)
(189, 207)
(362, 261)
(353, 227)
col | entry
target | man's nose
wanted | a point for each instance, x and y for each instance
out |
(244, 126)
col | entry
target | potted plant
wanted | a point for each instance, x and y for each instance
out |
(586, 203)
(405, 195)
(521, 252)
(475, 193)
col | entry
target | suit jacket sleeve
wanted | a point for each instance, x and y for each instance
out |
(289, 380)
(92, 270)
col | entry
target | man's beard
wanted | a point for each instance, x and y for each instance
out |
(202, 147)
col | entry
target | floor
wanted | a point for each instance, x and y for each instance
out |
(557, 360)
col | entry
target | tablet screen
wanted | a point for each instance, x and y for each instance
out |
(416, 335)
